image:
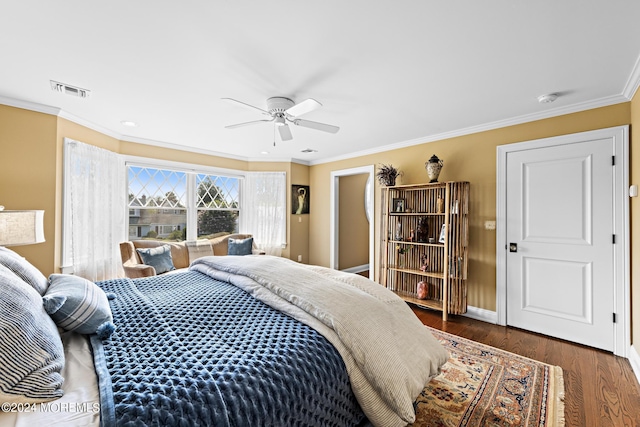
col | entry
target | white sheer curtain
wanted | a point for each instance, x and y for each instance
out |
(263, 212)
(94, 211)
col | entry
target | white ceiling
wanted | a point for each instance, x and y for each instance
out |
(389, 73)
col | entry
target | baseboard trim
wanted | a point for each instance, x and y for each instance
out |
(634, 360)
(481, 314)
(357, 269)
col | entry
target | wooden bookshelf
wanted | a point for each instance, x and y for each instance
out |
(425, 233)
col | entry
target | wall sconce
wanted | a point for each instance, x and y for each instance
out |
(21, 227)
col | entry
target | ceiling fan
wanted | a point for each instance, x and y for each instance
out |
(282, 111)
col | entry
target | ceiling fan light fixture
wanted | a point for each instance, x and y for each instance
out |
(283, 111)
(279, 121)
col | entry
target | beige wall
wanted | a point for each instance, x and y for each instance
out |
(299, 224)
(353, 227)
(467, 158)
(31, 168)
(28, 174)
(31, 178)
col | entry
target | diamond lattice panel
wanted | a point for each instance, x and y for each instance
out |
(150, 187)
(217, 192)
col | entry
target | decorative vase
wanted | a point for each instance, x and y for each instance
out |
(422, 230)
(421, 290)
(433, 167)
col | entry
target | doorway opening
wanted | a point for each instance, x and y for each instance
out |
(366, 187)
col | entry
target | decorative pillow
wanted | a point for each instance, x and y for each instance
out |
(31, 351)
(159, 258)
(77, 304)
(240, 246)
(23, 269)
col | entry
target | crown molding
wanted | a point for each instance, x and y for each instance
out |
(55, 111)
(27, 105)
(155, 143)
(173, 146)
(631, 87)
(301, 162)
(525, 118)
(58, 112)
(90, 125)
(278, 160)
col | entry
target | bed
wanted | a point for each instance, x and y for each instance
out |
(234, 341)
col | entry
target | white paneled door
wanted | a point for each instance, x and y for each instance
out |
(560, 241)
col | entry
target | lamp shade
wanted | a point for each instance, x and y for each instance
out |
(21, 227)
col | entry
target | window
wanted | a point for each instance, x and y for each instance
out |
(217, 204)
(179, 205)
(157, 203)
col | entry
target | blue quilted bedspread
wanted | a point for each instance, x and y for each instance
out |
(189, 350)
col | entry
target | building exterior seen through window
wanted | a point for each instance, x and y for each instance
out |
(161, 206)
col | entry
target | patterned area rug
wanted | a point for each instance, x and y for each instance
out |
(485, 386)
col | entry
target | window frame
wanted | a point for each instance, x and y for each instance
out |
(191, 170)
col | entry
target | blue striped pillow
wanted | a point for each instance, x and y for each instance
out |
(31, 351)
(77, 304)
(23, 269)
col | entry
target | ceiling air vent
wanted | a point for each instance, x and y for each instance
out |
(70, 90)
(308, 150)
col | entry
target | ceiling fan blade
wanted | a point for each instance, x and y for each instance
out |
(247, 105)
(239, 125)
(285, 133)
(315, 125)
(304, 107)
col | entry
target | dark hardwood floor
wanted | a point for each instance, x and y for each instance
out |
(601, 389)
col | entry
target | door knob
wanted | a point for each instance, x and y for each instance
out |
(513, 247)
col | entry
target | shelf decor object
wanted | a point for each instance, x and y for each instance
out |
(387, 175)
(431, 270)
(433, 167)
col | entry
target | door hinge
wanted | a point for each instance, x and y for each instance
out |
(614, 318)
(613, 160)
(614, 239)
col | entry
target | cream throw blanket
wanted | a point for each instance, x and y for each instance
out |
(389, 354)
(199, 248)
